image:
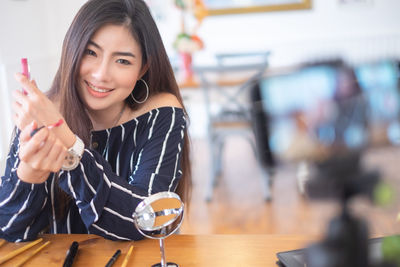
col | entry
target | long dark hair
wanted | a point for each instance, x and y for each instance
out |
(135, 15)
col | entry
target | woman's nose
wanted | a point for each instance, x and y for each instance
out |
(101, 71)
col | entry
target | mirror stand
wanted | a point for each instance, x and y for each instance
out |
(163, 262)
(159, 216)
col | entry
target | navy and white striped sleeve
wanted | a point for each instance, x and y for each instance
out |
(107, 201)
(158, 167)
(24, 207)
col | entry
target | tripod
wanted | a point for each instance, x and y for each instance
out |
(346, 242)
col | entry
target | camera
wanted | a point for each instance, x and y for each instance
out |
(328, 114)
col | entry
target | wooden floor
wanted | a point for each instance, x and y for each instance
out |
(238, 206)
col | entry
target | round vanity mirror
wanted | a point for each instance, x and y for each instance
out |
(159, 216)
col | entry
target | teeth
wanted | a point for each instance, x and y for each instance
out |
(98, 89)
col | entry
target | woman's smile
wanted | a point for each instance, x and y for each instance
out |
(98, 91)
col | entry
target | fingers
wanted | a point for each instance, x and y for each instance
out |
(26, 104)
(30, 147)
(23, 109)
(21, 119)
(43, 152)
(20, 100)
(34, 83)
(35, 105)
(51, 156)
(58, 153)
(18, 95)
(29, 86)
(33, 96)
(16, 106)
(42, 156)
(25, 133)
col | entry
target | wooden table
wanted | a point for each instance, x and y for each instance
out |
(186, 250)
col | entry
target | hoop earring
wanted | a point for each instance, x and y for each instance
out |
(147, 94)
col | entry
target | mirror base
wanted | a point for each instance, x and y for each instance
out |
(169, 264)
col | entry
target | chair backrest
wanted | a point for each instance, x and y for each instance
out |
(225, 83)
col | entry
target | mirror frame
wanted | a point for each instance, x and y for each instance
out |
(157, 196)
(295, 5)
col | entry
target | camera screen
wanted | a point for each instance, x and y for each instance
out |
(315, 111)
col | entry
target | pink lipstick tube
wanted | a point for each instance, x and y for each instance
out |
(25, 70)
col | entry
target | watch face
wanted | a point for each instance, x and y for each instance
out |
(70, 162)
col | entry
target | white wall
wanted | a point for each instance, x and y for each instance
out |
(353, 31)
(36, 28)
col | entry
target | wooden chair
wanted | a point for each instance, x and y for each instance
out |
(226, 92)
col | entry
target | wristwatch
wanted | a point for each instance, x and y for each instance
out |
(74, 155)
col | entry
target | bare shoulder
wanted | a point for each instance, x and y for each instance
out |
(157, 101)
(163, 100)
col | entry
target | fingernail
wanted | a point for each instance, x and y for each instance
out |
(41, 144)
(33, 125)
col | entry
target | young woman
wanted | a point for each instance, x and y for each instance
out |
(122, 135)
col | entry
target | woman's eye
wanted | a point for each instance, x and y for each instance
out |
(90, 52)
(123, 61)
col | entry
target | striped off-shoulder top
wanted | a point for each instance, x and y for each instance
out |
(124, 165)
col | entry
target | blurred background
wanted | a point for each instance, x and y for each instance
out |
(231, 193)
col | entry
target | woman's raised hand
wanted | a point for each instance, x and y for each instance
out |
(36, 106)
(32, 106)
(40, 154)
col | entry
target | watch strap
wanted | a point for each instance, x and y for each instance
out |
(77, 148)
(74, 155)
